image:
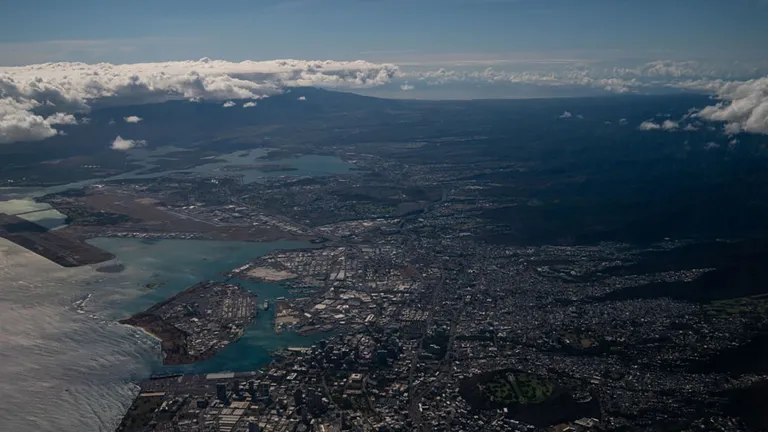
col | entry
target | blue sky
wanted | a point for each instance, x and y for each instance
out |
(423, 49)
(380, 30)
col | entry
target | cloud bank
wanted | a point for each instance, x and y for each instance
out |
(741, 87)
(743, 107)
(132, 119)
(121, 143)
(633, 78)
(59, 89)
(36, 100)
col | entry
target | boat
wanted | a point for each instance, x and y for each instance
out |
(266, 304)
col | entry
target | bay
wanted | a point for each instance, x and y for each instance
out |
(68, 365)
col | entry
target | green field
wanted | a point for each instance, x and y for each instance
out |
(520, 388)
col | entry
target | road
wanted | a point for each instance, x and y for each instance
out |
(413, 409)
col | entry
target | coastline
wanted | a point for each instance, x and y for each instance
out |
(142, 330)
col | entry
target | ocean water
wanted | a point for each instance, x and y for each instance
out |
(66, 365)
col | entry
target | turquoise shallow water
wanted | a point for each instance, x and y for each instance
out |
(252, 351)
(181, 263)
(67, 364)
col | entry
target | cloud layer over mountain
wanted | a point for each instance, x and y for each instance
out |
(36, 99)
(741, 87)
(29, 95)
(629, 78)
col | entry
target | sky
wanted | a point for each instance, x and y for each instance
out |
(380, 30)
(58, 58)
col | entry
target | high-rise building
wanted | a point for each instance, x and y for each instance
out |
(381, 357)
(345, 425)
(237, 391)
(221, 392)
(298, 397)
(264, 389)
(304, 414)
(253, 426)
(315, 403)
(392, 352)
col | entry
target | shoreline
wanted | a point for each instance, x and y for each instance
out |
(142, 330)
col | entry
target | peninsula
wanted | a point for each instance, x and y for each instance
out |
(198, 322)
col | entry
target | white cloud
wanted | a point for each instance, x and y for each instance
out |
(649, 125)
(566, 114)
(601, 76)
(228, 104)
(302, 98)
(60, 89)
(132, 119)
(743, 106)
(72, 87)
(19, 123)
(690, 128)
(732, 128)
(249, 104)
(61, 119)
(711, 145)
(669, 125)
(603, 80)
(623, 121)
(121, 143)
